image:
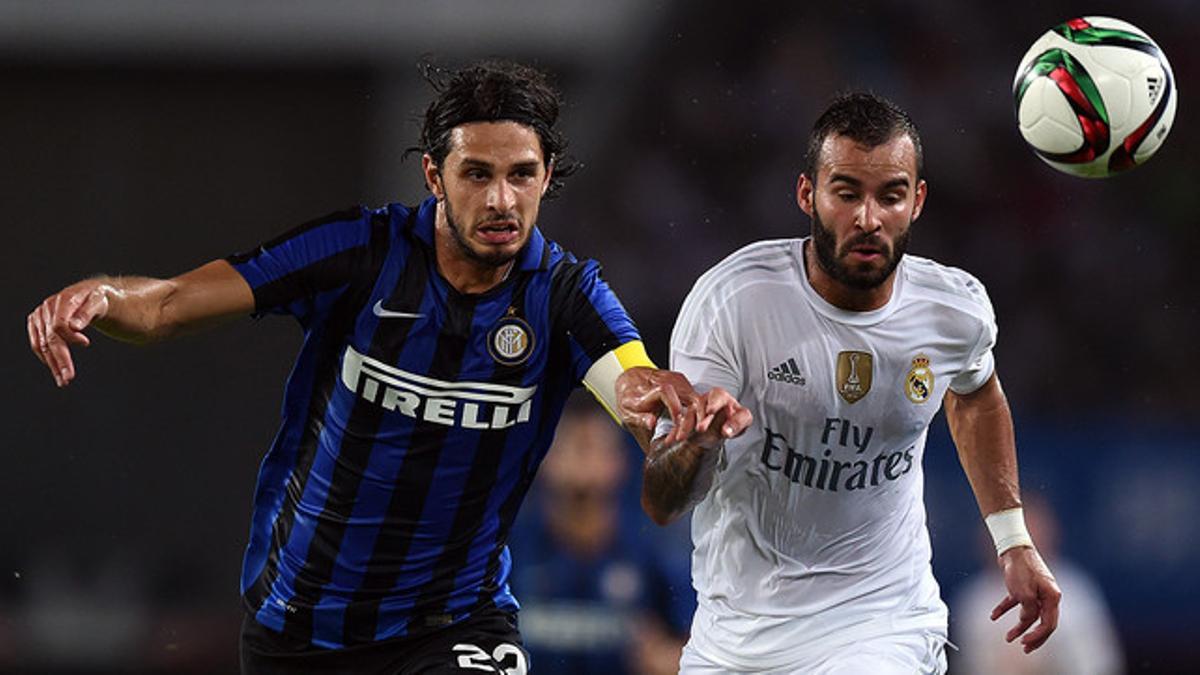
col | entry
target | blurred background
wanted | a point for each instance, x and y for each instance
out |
(149, 136)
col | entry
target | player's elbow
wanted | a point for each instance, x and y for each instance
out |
(164, 317)
(660, 515)
(145, 311)
(154, 327)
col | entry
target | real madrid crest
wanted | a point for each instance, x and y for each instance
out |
(918, 384)
(511, 341)
(854, 373)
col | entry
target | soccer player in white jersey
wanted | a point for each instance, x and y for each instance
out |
(811, 549)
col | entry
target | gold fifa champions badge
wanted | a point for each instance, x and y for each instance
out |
(918, 384)
(854, 371)
(511, 341)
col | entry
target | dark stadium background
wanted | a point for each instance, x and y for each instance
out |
(149, 137)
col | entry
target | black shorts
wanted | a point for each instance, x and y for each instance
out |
(488, 642)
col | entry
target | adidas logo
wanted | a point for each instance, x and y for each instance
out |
(1153, 88)
(786, 372)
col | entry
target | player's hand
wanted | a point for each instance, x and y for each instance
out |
(59, 322)
(644, 393)
(722, 418)
(1030, 585)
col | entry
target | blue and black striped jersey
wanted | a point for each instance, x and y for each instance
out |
(413, 422)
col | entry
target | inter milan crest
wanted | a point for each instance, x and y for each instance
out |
(918, 384)
(511, 341)
(854, 373)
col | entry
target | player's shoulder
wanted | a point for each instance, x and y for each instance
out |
(767, 261)
(953, 287)
(564, 271)
(556, 257)
(561, 273)
(401, 218)
(756, 257)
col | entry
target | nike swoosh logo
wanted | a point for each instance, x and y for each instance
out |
(389, 314)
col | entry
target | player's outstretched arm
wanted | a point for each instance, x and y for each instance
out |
(679, 464)
(981, 424)
(132, 309)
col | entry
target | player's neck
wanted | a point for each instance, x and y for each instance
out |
(839, 294)
(465, 274)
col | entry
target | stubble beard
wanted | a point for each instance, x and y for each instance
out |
(492, 259)
(826, 248)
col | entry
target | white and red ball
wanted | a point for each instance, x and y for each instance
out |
(1095, 96)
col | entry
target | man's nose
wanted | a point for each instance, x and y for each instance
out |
(501, 196)
(869, 217)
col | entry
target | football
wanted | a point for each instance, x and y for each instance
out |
(1094, 96)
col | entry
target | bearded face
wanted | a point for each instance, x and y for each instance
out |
(863, 261)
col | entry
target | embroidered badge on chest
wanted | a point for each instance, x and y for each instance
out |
(918, 384)
(854, 374)
(511, 341)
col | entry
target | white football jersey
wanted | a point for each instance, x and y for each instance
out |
(813, 534)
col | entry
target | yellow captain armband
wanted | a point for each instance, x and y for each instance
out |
(601, 378)
(633, 354)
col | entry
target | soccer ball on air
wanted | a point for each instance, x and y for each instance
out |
(1095, 96)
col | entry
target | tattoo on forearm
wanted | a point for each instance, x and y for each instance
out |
(676, 477)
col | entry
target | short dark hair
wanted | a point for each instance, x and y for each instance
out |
(491, 91)
(865, 118)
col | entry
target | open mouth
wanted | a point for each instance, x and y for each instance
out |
(865, 252)
(499, 232)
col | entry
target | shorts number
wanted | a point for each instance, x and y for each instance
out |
(472, 657)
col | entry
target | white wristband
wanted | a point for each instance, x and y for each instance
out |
(1008, 529)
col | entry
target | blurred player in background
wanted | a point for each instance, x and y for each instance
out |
(440, 344)
(597, 594)
(811, 549)
(1086, 642)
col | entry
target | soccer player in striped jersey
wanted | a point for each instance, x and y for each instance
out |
(440, 344)
(811, 550)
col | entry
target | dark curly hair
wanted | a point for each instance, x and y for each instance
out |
(490, 91)
(865, 118)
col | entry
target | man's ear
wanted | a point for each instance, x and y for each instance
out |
(433, 177)
(919, 202)
(804, 194)
(549, 173)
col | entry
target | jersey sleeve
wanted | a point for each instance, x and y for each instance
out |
(288, 272)
(603, 339)
(592, 316)
(704, 341)
(980, 363)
